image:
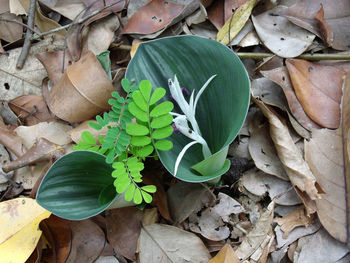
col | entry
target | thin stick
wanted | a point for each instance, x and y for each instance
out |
(29, 33)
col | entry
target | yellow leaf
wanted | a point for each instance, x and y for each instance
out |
(236, 23)
(226, 255)
(19, 228)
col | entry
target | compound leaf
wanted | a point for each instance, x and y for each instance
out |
(136, 129)
(140, 140)
(139, 100)
(147, 197)
(149, 188)
(137, 196)
(163, 132)
(161, 121)
(161, 109)
(145, 151)
(145, 87)
(163, 145)
(129, 194)
(157, 95)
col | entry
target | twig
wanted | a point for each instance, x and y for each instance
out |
(29, 33)
(20, 23)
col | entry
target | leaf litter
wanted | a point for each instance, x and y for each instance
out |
(238, 220)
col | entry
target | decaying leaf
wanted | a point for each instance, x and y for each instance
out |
(297, 169)
(11, 140)
(4, 159)
(164, 243)
(234, 24)
(319, 90)
(226, 255)
(20, 219)
(10, 32)
(281, 36)
(123, 230)
(150, 216)
(293, 220)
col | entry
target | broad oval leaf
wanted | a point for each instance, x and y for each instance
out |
(157, 95)
(163, 145)
(161, 109)
(161, 121)
(136, 129)
(162, 132)
(137, 112)
(71, 187)
(139, 100)
(221, 109)
(140, 140)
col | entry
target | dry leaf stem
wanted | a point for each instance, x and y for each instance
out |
(29, 33)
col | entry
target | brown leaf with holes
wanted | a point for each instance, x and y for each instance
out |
(297, 169)
(123, 230)
(294, 219)
(31, 109)
(153, 17)
(319, 90)
(58, 233)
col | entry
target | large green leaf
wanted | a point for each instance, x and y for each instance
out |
(221, 109)
(76, 184)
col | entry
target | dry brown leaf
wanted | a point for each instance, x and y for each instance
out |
(88, 241)
(12, 141)
(84, 83)
(153, 17)
(123, 230)
(293, 220)
(281, 77)
(4, 159)
(150, 216)
(297, 169)
(319, 90)
(259, 236)
(30, 109)
(164, 243)
(10, 32)
(226, 255)
(57, 232)
(67, 8)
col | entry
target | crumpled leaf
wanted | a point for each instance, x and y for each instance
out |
(10, 32)
(164, 243)
(123, 230)
(319, 90)
(281, 36)
(293, 220)
(20, 219)
(297, 169)
(236, 23)
(260, 234)
(324, 18)
(226, 255)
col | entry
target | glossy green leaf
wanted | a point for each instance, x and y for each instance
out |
(222, 108)
(136, 129)
(72, 186)
(140, 140)
(157, 95)
(137, 112)
(140, 100)
(163, 132)
(162, 108)
(162, 121)
(163, 145)
(149, 188)
(145, 151)
(145, 87)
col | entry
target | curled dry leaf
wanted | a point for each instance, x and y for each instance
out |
(293, 220)
(123, 230)
(164, 243)
(281, 36)
(11, 141)
(88, 241)
(31, 109)
(19, 227)
(319, 90)
(225, 255)
(297, 169)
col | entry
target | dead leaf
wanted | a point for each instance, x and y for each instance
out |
(293, 220)
(20, 219)
(10, 32)
(107, 259)
(88, 241)
(57, 232)
(333, 25)
(164, 243)
(4, 159)
(150, 216)
(281, 77)
(234, 24)
(67, 8)
(281, 36)
(84, 83)
(264, 154)
(318, 89)
(319, 247)
(297, 169)
(153, 17)
(226, 255)
(123, 230)
(197, 17)
(12, 141)
(30, 109)
(261, 233)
